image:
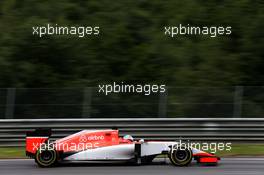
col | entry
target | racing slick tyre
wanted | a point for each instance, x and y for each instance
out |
(46, 158)
(180, 156)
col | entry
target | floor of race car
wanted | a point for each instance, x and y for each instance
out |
(227, 166)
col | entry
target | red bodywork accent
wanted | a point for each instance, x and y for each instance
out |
(206, 157)
(208, 160)
(33, 143)
(88, 140)
(80, 141)
(204, 154)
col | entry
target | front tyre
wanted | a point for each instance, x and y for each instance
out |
(46, 158)
(180, 156)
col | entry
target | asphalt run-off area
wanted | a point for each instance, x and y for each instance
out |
(227, 166)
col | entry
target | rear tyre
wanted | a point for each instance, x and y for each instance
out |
(180, 156)
(46, 158)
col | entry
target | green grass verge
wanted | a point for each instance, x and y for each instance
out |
(237, 150)
(243, 150)
(12, 152)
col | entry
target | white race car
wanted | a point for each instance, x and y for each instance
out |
(96, 145)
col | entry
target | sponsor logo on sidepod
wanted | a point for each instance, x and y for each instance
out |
(85, 138)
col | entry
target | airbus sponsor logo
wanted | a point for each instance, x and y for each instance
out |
(85, 138)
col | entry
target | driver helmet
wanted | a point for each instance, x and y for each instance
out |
(128, 137)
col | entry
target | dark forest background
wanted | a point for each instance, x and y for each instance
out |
(132, 48)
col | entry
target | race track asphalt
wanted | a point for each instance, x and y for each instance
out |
(227, 166)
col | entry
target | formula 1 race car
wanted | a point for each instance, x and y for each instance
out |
(96, 145)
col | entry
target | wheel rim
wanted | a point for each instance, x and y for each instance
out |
(181, 155)
(46, 156)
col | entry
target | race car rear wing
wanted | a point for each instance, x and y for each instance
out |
(35, 138)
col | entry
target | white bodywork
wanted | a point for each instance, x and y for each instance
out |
(123, 151)
(115, 152)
